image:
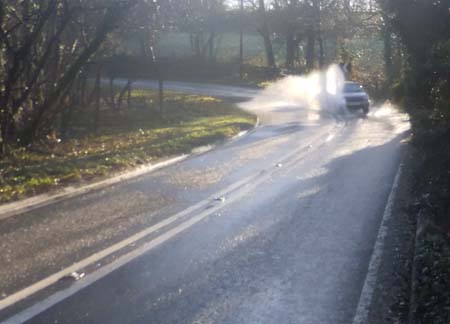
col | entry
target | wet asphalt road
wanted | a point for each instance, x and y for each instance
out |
(291, 245)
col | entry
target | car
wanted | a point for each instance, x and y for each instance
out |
(355, 98)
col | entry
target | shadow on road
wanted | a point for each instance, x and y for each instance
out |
(274, 258)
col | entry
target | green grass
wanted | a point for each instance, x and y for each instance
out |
(178, 43)
(125, 139)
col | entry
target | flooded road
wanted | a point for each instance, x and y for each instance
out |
(277, 226)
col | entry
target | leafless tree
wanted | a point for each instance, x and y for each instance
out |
(45, 46)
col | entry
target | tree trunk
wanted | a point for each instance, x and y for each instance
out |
(291, 41)
(198, 50)
(113, 14)
(388, 64)
(317, 6)
(321, 52)
(241, 40)
(310, 50)
(265, 33)
(98, 95)
(122, 94)
(66, 117)
(112, 93)
(192, 42)
(5, 124)
(161, 93)
(160, 77)
(211, 52)
(290, 49)
(83, 87)
(269, 52)
(129, 96)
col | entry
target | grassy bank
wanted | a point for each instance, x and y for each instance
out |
(126, 138)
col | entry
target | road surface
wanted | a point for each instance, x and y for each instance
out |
(277, 226)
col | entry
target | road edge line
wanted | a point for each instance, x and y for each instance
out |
(95, 257)
(40, 307)
(46, 282)
(29, 204)
(367, 292)
(53, 299)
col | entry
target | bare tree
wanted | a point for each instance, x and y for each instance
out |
(266, 34)
(44, 51)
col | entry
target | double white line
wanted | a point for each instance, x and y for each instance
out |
(197, 212)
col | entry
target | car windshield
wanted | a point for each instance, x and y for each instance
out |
(353, 87)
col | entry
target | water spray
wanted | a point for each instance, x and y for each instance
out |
(309, 97)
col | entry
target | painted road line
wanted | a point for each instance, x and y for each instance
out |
(365, 299)
(39, 201)
(54, 299)
(238, 190)
(46, 282)
(29, 204)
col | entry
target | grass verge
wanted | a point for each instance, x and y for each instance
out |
(125, 138)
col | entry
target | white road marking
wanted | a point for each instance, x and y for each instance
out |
(107, 269)
(330, 137)
(28, 291)
(243, 186)
(29, 204)
(365, 299)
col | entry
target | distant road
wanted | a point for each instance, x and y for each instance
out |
(195, 88)
(277, 226)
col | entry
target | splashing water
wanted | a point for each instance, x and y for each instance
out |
(303, 98)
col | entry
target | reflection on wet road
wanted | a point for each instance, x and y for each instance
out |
(289, 215)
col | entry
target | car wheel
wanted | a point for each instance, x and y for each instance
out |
(365, 111)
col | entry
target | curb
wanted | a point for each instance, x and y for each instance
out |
(29, 204)
(32, 203)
